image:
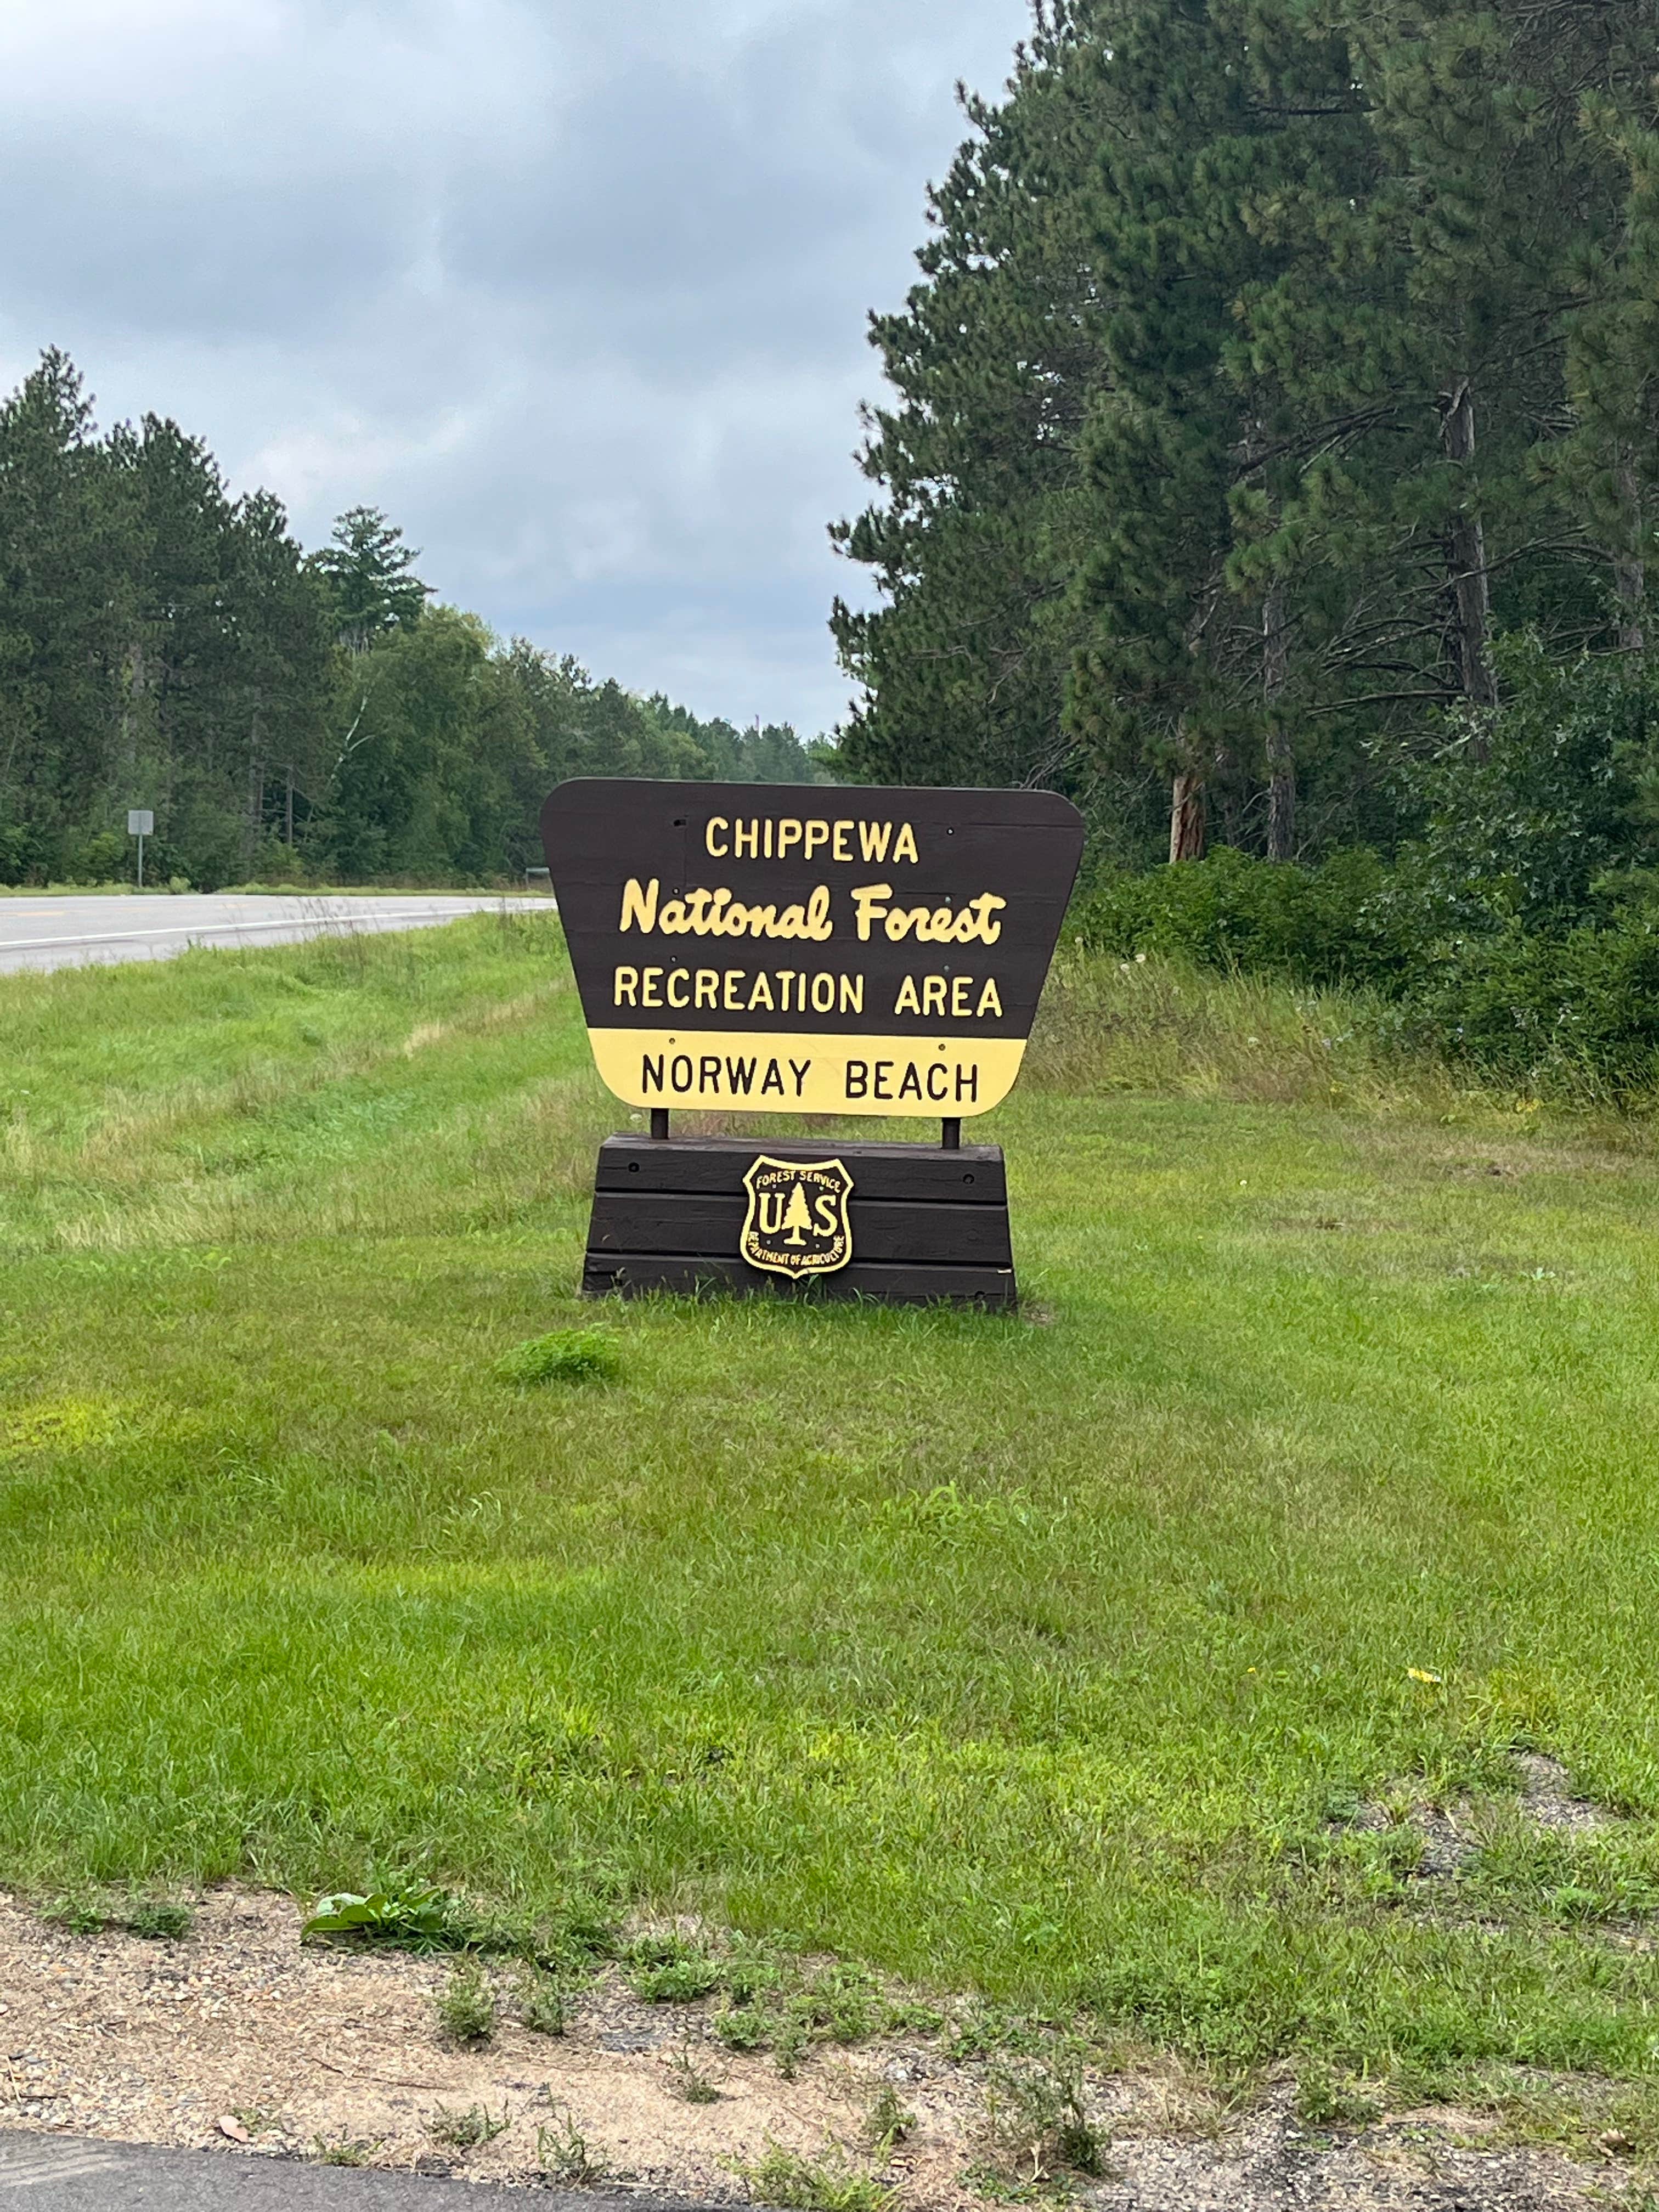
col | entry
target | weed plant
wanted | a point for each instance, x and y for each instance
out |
(798, 2183)
(1324, 2096)
(569, 1355)
(663, 1970)
(1038, 2124)
(544, 2003)
(692, 2084)
(157, 1919)
(888, 2121)
(564, 2152)
(342, 2150)
(466, 2008)
(161, 1921)
(465, 2131)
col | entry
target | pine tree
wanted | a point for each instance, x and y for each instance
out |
(163, 644)
(370, 576)
(1412, 348)
(993, 362)
(280, 620)
(1238, 116)
(1609, 459)
(62, 599)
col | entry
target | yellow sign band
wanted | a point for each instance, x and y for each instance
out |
(761, 1072)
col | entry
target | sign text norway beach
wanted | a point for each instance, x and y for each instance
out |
(767, 948)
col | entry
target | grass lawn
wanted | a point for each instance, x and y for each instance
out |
(1045, 1658)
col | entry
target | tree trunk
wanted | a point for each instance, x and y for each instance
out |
(1281, 758)
(1186, 818)
(256, 788)
(1465, 558)
(1630, 579)
(133, 691)
(288, 813)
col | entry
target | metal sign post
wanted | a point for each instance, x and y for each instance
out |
(141, 823)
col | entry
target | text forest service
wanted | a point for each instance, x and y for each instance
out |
(762, 949)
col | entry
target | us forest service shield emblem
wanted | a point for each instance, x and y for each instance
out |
(796, 1223)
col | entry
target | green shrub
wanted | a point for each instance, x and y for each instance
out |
(1333, 924)
(1540, 810)
(1569, 1009)
(1575, 1014)
(569, 1355)
(160, 1920)
(663, 1970)
(1515, 935)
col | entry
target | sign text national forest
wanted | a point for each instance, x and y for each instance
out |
(767, 948)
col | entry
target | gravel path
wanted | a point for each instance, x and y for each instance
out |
(236, 2044)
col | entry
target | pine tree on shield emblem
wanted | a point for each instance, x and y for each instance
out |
(796, 1223)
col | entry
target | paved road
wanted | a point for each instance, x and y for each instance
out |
(53, 2174)
(68, 932)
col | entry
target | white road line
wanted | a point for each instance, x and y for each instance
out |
(229, 928)
(64, 2169)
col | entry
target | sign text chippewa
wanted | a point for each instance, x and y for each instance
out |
(781, 948)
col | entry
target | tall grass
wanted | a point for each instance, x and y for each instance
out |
(1163, 1027)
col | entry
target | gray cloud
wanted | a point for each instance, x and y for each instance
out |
(576, 291)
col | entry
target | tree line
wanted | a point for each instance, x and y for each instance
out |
(287, 716)
(1273, 363)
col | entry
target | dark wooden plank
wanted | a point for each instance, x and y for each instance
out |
(636, 1275)
(976, 1174)
(710, 1223)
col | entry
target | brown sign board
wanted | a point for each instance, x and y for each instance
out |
(779, 948)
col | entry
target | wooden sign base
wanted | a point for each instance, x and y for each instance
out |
(927, 1225)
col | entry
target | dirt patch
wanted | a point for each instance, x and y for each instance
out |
(1269, 2164)
(237, 2031)
(1451, 1836)
(1547, 1798)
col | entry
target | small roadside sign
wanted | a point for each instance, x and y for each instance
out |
(141, 823)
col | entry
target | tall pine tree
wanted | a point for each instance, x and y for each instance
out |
(976, 539)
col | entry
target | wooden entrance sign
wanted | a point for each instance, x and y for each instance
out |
(783, 949)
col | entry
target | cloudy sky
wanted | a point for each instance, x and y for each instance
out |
(575, 289)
